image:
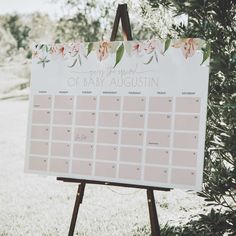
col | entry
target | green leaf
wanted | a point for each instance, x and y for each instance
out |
(167, 44)
(206, 52)
(119, 54)
(41, 46)
(79, 58)
(90, 48)
(146, 63)
(73, 64)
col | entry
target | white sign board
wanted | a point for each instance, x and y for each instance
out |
(126, 112)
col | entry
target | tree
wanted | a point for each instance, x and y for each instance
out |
(214, 21)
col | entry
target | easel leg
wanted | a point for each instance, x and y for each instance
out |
(155, 227)
(78, 201)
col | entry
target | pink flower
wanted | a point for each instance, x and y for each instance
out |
(74, 48)
(103, 50)
(188, 46)
(35, 54)
(137, 48)
(150, 46)
(53, 49)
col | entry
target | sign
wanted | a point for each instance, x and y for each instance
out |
(127, 112)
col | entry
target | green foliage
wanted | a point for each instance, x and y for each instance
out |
(214, 21)
(214, 223)
(19, 31)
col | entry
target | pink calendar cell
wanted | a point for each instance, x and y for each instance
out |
(156, 174)
(86, 102)
(63, 102)
(41, 117)
(109, 119)
(160, 104)
(110, 103)
(107, 136)
(157, 156)
(61, 133)
(84, 135)
(185, 140)
(62, 117)
(105, 169)
(186, 122)
(39, 148)
(188, 104)
(136, 103)
(40, 132)
(83, 151)
(183, 176)
(133, 120)
(59, 165)
(42, 101)
(60, 149)
(130, 171)
(130, 154)
(159, 121)
(108, 153)
(85, 118)
(184, 158)
(82, 167)
(38, 163)
(158, 139)
(130, 137)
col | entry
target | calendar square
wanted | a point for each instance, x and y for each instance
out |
(129, 171)
(157, 156)
(41, 117)
(39, 148)
(85, 118)
(86, 102)
(59, 165)
(129, 137)
(38, 163)
(188, 104)
(84, 151)
(160, 104)
(107, 136)
(60, 149)
(109, 119)
(64, 102)
(61, 133)
(62, 117)
(156, 174)
(40, 132)
(134, 103)
(133, 120)
(42, 101)
(82, 167)
(159, 121)
(131, 154)
(105, 169)
(108, 153)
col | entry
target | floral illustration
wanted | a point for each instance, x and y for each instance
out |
(103, 50)
(149, 50)
(188, 46)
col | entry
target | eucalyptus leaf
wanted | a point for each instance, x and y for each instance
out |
(119, 54)
(167, 44)
(206, 52)
(150, 59)
(74, 63)
(90, 48)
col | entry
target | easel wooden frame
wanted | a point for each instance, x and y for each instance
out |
(121, 13)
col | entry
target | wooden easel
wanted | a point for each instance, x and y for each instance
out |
(121, 13)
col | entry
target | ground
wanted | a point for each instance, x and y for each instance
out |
(32, 205)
